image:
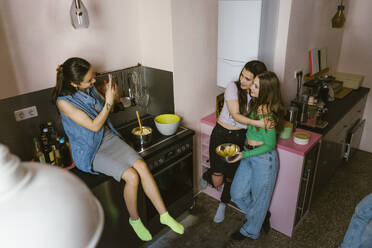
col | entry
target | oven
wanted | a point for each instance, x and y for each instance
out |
(170, 159)
(173, 173)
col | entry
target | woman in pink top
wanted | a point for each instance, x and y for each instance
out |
(231, 127)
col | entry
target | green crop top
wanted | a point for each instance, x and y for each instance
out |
(268, 137)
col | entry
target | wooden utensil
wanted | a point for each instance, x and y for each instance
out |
(139, 122)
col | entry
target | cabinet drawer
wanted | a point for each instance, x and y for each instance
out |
(205, 161)
(205, 138)
(359, 107)
(358, 110)
(205, 150)
(346, 122)
(206, 129)
(334, 133)
(354, 114)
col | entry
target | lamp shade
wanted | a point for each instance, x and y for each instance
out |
(338, 19)
(45, 206)
(79, 15)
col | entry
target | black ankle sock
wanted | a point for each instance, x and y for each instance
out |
(238, 236)
(266, 224)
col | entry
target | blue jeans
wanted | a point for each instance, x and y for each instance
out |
(252, 189)
(359, 232)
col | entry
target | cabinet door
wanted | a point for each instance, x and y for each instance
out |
(328, 162)
(205, 138)
(307, 180)
(331, 155)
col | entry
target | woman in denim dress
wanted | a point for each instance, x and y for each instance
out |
(97, 147)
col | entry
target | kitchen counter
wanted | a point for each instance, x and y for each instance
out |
(338, 108)
(290, 146)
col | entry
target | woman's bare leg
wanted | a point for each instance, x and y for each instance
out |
(149, 186)
(217, 179)
(131, 179)
(152, 192)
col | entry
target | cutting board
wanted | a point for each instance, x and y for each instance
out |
(343, 93)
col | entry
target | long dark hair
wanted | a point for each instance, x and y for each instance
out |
(72, 70)
(255, 67)
(269, 96)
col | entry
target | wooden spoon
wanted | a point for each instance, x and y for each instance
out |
(139, 122)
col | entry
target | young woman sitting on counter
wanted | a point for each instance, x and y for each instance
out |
(97, 147)
(254, 181)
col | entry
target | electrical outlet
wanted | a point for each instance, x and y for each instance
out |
(25, 113)
(296, 72)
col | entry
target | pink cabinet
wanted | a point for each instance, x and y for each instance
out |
(293, 191)
(207, 124)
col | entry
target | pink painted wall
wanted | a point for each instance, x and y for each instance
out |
(156, 34)
(36, 36)
(280, 47)
(309, 27)
(356, 55)
(194, 26)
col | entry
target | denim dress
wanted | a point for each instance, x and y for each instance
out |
(84, 143)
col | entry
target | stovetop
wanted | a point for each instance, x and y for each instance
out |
(158, 140)
(158, 149)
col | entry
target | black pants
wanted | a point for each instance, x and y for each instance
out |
(221, 135)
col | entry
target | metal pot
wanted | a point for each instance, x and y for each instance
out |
(142, 139)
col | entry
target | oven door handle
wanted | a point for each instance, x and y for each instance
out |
(173, 164)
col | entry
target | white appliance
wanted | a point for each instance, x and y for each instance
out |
(238, 37)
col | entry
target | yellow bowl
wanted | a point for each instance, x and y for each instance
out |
(228, 151)
(167, 124)
(167, 119)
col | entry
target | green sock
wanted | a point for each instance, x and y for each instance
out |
(140, 229)
(166, 219)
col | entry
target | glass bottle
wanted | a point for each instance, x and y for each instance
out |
(65, 152)
(52, 156)
(52, 132)
(45, 144)
(38, 154)
(57, 156)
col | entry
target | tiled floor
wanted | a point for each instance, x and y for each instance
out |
(323, 227)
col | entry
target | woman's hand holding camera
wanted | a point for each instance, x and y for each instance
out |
(110, 93)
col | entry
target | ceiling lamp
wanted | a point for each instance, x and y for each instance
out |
(338, 19)
(44, 206)
(79, 15)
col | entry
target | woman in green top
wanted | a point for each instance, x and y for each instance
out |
(254, 181)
